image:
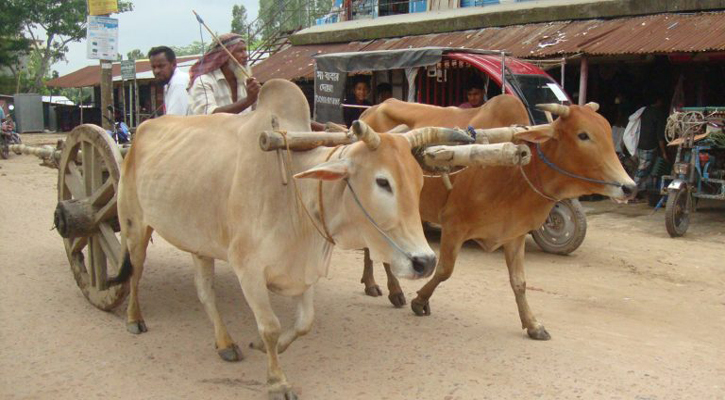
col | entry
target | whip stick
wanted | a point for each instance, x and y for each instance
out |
(201, 21)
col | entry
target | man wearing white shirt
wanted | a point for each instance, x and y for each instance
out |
(220, 84)
(163, 65)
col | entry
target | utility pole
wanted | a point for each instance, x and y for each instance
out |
(107, 93)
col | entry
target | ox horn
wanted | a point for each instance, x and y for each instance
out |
(557, 109)
(430, 135)
(594, 106)
(366, 134)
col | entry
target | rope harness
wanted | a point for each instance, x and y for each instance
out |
(558, 169)
(324, 232)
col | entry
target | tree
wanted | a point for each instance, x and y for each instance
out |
(135, 54)
(188, 50)
(239, 21)
(62, 21)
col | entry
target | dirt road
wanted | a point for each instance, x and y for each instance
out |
(633, 314)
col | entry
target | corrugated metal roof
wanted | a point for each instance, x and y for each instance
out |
(91, 75)
(652, 34)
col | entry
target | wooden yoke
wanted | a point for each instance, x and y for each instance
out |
(300, 141)
(481, 155)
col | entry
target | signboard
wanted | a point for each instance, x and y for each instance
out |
(128, 69)
(102, 7)
(102, 38)
(329, 90)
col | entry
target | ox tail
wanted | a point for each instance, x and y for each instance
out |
(124, 273)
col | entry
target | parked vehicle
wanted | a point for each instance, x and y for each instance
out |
(699, 168)
(8, 136)
(438, 76)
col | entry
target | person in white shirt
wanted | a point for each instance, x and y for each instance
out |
(218, 84)
(163, 65)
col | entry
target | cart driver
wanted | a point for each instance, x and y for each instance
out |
(219, 84)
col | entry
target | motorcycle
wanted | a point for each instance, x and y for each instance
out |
(8, 136)
(120, 133)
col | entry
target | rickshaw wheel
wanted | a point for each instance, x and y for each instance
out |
(88, 176)
(564, 229)
(677, 212)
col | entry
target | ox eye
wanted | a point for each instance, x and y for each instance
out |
(383, 183)
(583, 136)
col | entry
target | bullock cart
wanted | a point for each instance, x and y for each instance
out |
(438, 76)
(89, 164)
(699, 166)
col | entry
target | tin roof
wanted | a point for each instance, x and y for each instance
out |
(651, 34)
(91, 75)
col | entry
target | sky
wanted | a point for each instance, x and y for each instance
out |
(154, 23)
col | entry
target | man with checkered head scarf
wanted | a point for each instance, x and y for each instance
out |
(219, 84)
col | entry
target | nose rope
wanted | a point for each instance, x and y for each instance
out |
(569, 174)
(385, 236)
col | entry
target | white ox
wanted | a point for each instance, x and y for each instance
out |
(204, 185)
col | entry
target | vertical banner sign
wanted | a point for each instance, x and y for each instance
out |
(128, 69)
(102, 38)
(102, 7)
(329, 90)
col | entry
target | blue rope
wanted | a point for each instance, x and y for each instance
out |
(569, 174)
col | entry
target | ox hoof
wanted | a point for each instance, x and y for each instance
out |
(231, 354)
(421, 308)
(282, 392)
(136, 327)
(398, 299)
(373, 291)
(539, 333)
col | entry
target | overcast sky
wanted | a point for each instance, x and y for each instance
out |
(153, 23)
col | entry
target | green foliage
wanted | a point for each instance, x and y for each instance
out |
(61, 21)
(289, 15)
(239, 20)
(135, 54)
(189, 50)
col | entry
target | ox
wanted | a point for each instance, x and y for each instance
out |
(203, 184)
(498, 206)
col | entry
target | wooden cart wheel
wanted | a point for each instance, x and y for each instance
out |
(89, 171)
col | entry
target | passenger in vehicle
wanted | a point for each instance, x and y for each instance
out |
(475, 93)
(353, 109)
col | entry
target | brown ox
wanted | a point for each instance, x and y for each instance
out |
(204, 185)
(496, 206)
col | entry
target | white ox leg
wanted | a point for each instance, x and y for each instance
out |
(204, 280)
(303, 323)
(254, 286)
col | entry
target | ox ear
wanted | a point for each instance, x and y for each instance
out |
(537, 134)
(328, 171)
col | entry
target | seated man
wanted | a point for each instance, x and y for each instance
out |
(360, 91)
(475, 93)
(163, 65)
(385, 91)
(219, 84)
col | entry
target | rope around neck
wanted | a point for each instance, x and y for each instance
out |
(569, 174)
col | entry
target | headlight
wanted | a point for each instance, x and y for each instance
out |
(681, 168)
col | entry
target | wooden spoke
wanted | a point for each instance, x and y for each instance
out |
(89, 171)
(78, 244)
(106, 212)
(102, 194)
(74, 181)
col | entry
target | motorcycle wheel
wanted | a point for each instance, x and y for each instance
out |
(564, 229)
(677, 212)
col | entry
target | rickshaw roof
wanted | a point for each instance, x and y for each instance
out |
(378, 60)
(381, 60)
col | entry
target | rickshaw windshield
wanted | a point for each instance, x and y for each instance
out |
(539, 89)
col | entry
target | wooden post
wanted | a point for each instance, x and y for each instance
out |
(138, 113)
(583, 76)
(123, 99)
(106, 93)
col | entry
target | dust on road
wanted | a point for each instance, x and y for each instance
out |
(633, 314)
